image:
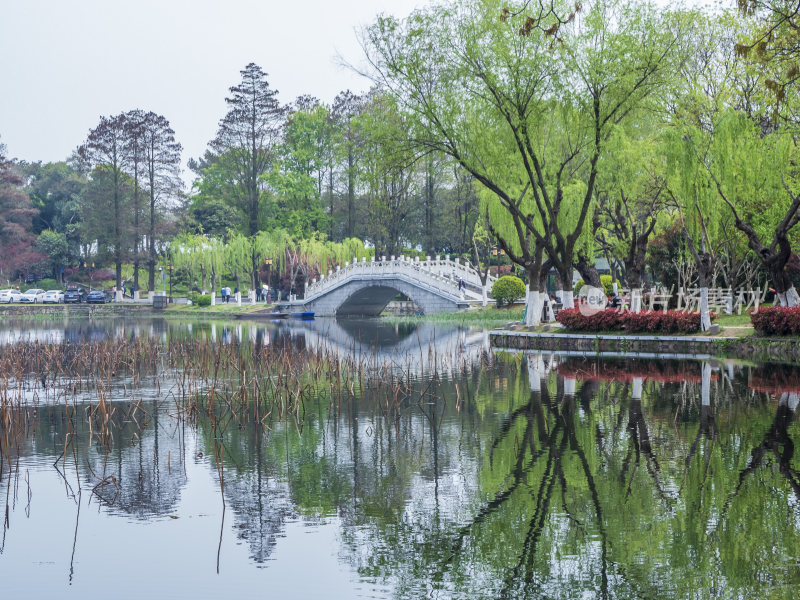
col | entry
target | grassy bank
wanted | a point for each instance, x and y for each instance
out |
(216, 311)
(483, 316)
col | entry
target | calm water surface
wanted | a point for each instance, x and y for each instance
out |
(497, 476)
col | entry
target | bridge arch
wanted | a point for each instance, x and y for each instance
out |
(369, 295)
(365, 288)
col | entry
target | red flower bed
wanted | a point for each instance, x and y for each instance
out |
(776, 320)
(775, 378)
(607, 370)
(650, 321)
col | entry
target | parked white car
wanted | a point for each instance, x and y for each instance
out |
(32, 296)
(10, 295)
(53, 297)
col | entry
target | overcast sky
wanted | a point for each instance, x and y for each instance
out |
(64, 63)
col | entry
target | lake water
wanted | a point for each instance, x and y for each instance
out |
(449, 472)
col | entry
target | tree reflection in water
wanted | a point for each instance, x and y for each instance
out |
(518, 476)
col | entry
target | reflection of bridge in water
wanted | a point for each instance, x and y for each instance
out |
(365, 288)
(409, 346)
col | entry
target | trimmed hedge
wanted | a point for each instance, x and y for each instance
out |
(776, 320)
(507, 289)
(201, 299)
(650, 321)
(204, 300)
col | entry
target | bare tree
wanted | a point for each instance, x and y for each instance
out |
(105, 145)
(162, 156)
(134, 157)
(346, 106)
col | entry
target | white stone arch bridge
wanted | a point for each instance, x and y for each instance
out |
(365, 288)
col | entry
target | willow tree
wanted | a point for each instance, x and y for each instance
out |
(756, 176)
(186, 251)
(557, 84)
(692, 195)
(273, 245)
(350, 249)
(239, 253)
(316, 257)
(199, 254)
(631, 198)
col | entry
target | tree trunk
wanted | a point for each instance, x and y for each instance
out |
(151, 243)
(567, 298)
(634, 276)
(781, 281)
(533, 304)
(351, 192)
(636, 300)
(588, 271)
(533, 308)
(547, 306)
(705, 269)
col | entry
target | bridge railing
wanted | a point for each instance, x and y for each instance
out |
(439, 273)
(416, 271)
(455, 269)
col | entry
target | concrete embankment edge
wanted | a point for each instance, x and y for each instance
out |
(77, 310)
(752, 348)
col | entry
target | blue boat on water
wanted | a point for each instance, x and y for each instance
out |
(305, 316)
(273, 315)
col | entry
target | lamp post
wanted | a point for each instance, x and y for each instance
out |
(169, 268)
(163, 279)
(268, 262)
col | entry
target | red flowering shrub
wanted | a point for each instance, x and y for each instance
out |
(647, 321)
(776, 320)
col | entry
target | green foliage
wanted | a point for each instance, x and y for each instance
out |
(296, 179)
(526, 101)
(100, 214)
(608, 284)
(215, 218)
(56, 189)
(54, 245)
(388, 172)
(48, 284)
(201, 300)
(507, 289)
